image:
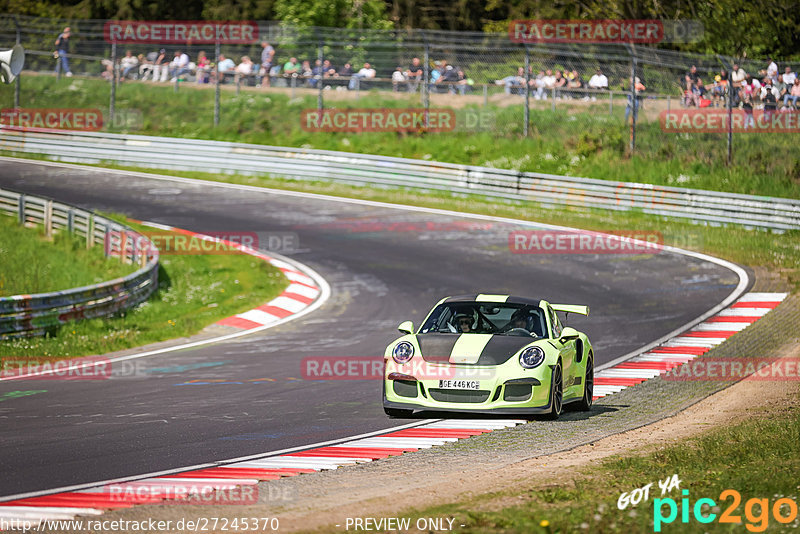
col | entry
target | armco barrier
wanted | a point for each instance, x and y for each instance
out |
(548, 190)
(29, 315)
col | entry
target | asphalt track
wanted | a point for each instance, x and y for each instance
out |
(384, 265)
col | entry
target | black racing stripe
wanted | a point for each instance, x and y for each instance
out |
(436, 348)
(501, 348)
(523, 300)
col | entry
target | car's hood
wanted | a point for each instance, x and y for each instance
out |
(475, 349)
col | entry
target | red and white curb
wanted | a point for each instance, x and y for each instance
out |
(303, 290)
(687, 346)
(182, 486)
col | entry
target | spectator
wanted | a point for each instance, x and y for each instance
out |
(789, 77)
(450, 77)
(414, 74)
(781, 88)
(575, 83)
(346, 70)
(291, 67)
(693, 74)
(436, 73)
(719, 88)
(316, 73)
(462, 81)
(108, 69)
(179, 65)
(690, 94)
(267, 54)
(746, 96)
(305, 72)
(127, 64)
(328, 70)
(559, 84)
(793, 95)
(203, 67)
(365, 73)
(513, 82)
(598, 81)
(398, 77)
(225, 69)
(155, 66)
(772, 70)
(769, 96)
(638, 89)
(537, 83)
(62, 51)
(245, 69)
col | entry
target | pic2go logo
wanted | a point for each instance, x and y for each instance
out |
(756, 511)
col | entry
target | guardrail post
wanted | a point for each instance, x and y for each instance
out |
(553, 99)
(113, 97)
(485, 95)
(21, 209)
(527, 114)
(48, 218)
(238, 84)
(70, 221)
(610, 102)
(216, 88)
(426, 80)
(90, 232)
(293, 86)
(108, 245)
(669, 102)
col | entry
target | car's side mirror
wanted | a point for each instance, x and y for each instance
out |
(406, 327)
(568, 334)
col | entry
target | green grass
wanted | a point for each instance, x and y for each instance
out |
(578, 139)
(32, 263)
(193, 292)
(757, 457)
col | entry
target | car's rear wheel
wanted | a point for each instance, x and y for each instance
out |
(585, 403)
(556, 393)
(397, 412)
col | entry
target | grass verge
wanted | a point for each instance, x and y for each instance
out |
(577, 138)
(735, 457)
(193, 292)
(30, 262)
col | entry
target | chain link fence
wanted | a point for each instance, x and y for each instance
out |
(466, 82)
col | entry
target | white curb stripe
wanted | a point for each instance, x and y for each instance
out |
(287, 304)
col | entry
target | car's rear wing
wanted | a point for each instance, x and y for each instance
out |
(571, 308)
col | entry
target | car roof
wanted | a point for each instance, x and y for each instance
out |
(484, 297)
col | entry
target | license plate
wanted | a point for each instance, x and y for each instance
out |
(459, 384)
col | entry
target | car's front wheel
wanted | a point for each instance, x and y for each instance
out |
(397, 412)
(556, 393)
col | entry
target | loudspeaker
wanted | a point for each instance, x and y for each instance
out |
(11, 63)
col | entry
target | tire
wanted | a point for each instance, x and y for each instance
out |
(556, 393)
(397, 412)
(585, 403)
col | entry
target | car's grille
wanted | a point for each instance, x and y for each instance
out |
(405, 388)
(517, 392)
(459, 395)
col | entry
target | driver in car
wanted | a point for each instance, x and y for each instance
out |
(464, 323)
(518, 320)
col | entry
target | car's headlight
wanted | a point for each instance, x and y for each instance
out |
(531, 357)
(403, 352)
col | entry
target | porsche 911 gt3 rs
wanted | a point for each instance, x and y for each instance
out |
(496, 354)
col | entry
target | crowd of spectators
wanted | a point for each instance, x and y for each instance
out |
(768, 89)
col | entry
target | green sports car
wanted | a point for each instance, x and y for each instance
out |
(494, 354)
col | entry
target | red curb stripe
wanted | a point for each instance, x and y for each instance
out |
(238, 322)
(681, 350)
(241, 472)
(710, 333)
(733, 319)
(757, 304)
(274, 310)
(665, 365)
(304, 284)
(295, 296)
(87, 500)
(370, 456)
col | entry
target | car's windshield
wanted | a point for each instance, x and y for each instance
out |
(486, 318)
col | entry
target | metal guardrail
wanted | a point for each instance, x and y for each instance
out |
(38, 314)
(549, 190)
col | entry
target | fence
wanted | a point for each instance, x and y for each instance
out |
(546, 190)
(486, 68)
(39, 314)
